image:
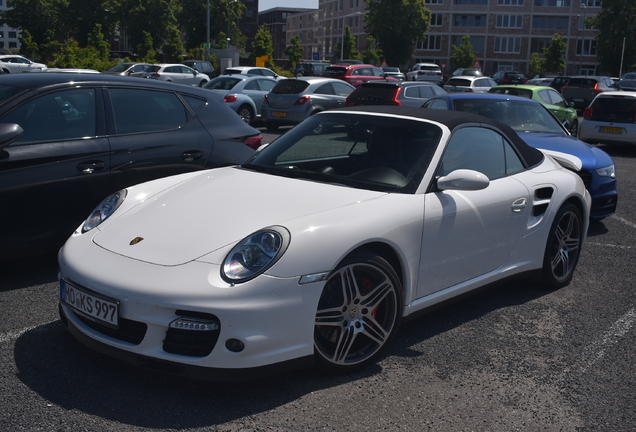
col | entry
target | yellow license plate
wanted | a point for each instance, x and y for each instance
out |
(279, 114)
(615, 130)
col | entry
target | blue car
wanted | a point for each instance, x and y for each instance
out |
(540, 129)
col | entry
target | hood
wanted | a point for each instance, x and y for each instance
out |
(214, 209)
(590, 156)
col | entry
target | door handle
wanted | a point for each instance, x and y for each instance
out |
(191, 155)
(91, 166)
(519, 204)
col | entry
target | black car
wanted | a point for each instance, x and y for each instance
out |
(311, 68)
(509, 77)
(559, 82)
(88, 135)
(627, 82)
(407, 93)
(204, 67)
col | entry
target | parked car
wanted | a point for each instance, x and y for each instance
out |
(610, 118)
(293, 100)
(243, 93)
(361, 218)
(85, 136)
(467, 72)
(201, 66)
(407, 93)
(538, 127)
(309, 68)
(549, 98)
(558, 82)
(627, 82)
(176, 73)
(544, 82)
(250, 70)
(127, 69)
(581, 90)
(355, 74)
(425, 72)
(13, 63)
(509, 77)
(469, 84)
(393, 72)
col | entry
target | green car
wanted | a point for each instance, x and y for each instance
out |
(549, 98)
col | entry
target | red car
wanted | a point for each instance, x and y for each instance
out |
(356, 74)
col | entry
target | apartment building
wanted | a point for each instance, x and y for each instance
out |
(8, 36)
(276, 20)
(503, 33)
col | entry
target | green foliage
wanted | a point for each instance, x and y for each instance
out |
(28, 46)
(294, 52)
(192, 21)
(463, 56)
(615, 22)
(70, 55)
(263, 46)
(350, 51)
(173, 49)
(536, 64)
(554, 61)
(145, 50)
(397, 25)
(372, 55)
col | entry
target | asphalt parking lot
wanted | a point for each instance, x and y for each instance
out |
(515, 357)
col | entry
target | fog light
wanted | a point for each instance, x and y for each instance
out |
(234, 345)
(194, 324)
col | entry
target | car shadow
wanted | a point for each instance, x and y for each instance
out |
(61, 370)
(27, 272)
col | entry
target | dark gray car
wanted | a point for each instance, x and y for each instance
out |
(88, 135)
(293, 100)
(581, 90)
(406, 93)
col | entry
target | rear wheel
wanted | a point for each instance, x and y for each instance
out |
(246, 114)
(358, 314)
(563, 247)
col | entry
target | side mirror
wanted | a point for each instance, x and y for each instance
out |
(463, 179)
(571, 104)
(9, 132)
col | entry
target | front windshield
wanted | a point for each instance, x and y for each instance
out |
(519, 115)
(357, 150)
(120, 67)
(222, 83)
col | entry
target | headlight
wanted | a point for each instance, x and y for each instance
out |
(608, 171)
(255, 254)
(104, 210)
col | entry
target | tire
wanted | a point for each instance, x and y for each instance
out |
(574, 129)
(246, 114)
(358, 314)
(202, 83)
(271, 126)
(563, 247)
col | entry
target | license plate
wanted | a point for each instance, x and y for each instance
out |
(279, 114)
(578, 100)
(614, 130)
(89, 304)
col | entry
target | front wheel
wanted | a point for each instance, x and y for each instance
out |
(358, 314)
(563, 247)
(246, 114)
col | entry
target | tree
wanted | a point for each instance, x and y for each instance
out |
(349, 51)
(463, 56)
(536, 64)
(138, 17)
(145, 50)
(263, 45)
(615, 22)
(294, 52)
(173, 49)
(554, 61)
(372, 54)
(193, 23)
(27, 45)
(397, 25)
(42, 18)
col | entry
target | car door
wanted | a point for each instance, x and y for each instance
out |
(328, 97)
(152, 134)
(556, 109)
(174, 74)
(470, 233)
(189, 76)
(56, 172)
(258, 88)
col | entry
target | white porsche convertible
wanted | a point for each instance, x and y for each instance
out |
(314, 250)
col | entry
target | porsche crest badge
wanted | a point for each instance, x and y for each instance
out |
(136, 240)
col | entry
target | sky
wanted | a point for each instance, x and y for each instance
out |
(269, 4)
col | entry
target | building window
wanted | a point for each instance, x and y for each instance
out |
(471, 2)
(1, 34)
(12, 35)
(510, 21)
(13, 44)
(552, 3)
(469, 20)
(507, 44)
(432, 43)
(586, 47)
(550, 23)
(434, 1)
(510, 2)
(436, 19)
(478, 42)
(538, 44)
(586, 3)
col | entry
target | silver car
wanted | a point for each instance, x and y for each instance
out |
(128, 69)
(243, 93)
(610, 119)
(469, 84)
(176, 73)
(10, 63)
(293, 100)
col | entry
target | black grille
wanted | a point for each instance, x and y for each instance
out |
(586, 177)
(129, 331)
(193, 343)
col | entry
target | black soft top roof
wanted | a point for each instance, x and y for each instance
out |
(453, 120)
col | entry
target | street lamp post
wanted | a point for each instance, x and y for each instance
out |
(343, 33)
(207, 46)
(584, 6)
(227, 40)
